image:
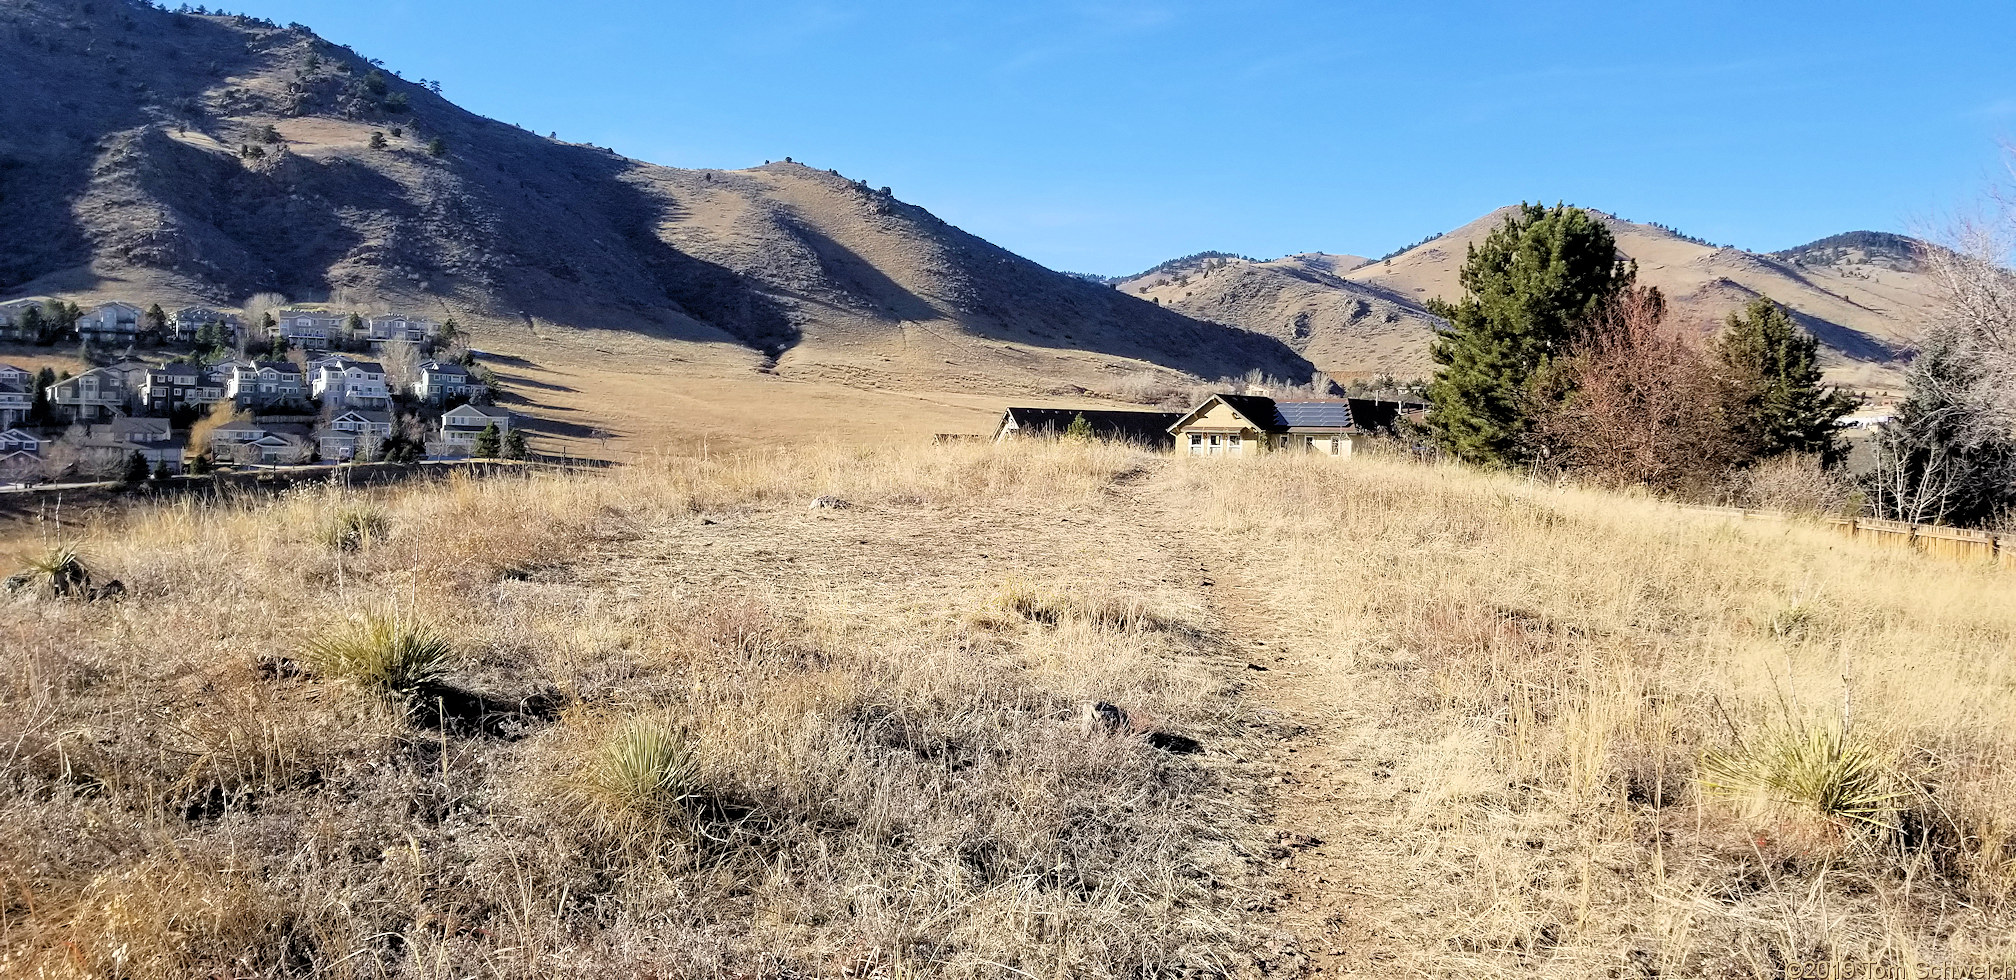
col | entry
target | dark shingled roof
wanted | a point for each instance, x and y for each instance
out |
(1146, 428)
(1362, 414)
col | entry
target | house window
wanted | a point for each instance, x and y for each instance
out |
(1196, 443)
(1234, 449)
(1336, 445)
(1308, 444)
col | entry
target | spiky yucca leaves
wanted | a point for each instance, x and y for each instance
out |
(352, 528)
(1810, 771)
(59, 569)
(643, 777)
(385, 654)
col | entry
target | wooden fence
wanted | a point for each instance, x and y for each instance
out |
(1960, 544)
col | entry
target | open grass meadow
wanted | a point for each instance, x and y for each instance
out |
(1041, 710)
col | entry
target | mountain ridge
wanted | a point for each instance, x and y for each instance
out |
(235, 156)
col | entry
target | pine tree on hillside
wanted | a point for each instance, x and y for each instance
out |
(1776, 404)
(514, 445)
(1528, 291)
(1080, 429)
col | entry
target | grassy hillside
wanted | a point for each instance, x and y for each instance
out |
(678, 723)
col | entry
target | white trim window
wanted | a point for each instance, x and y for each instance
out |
(1235, 448)
(1196, 443)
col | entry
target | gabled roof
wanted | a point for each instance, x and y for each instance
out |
(131, 426)
(17, 435)
(443, 367)
(481, 411)
(1268, 415)
(365, 415)
(1117, 425)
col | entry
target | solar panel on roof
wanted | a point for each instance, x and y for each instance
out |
(1324, 414)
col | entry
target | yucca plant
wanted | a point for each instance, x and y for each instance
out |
(1812, 770)
(644, 775)
(388, 655)
(352, 528)
(61, 570)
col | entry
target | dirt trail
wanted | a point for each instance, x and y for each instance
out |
(1336, 861)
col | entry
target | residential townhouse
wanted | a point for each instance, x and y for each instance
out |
(400, 327)
(104, 449)
(309, 329)
(138, 430)
(352, 433)
(442, 380)
(16, 375)
(343, 382)
(22, 467)
(19, 441)
(113, 324)
(252, 383)
(17, 399)
(461, 425)
(10, 318)
(95, 394)
(226, 437)
(183, 324)
(179, 384)
(249, 443)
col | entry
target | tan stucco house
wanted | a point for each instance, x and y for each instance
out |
(1246, 425)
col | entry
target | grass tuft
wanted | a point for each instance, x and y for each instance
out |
(1809, 771)
(644, 775)
(351, 528)
(58, 570)
(387, 655)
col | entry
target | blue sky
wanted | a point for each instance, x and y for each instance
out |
(1107, 136)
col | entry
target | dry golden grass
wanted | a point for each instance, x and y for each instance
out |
(862, 772)
(863, 743)
(1534, 674)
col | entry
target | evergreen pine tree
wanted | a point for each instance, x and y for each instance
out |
(157, 319)
(488, 443)
(1776, 404)
(136, 470)
(1080, 430)
(1528, 290)
(514, 445)
(35, 326)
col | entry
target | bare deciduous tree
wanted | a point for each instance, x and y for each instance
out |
(1645, 408)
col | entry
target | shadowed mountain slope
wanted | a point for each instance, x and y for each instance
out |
(149, 154)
